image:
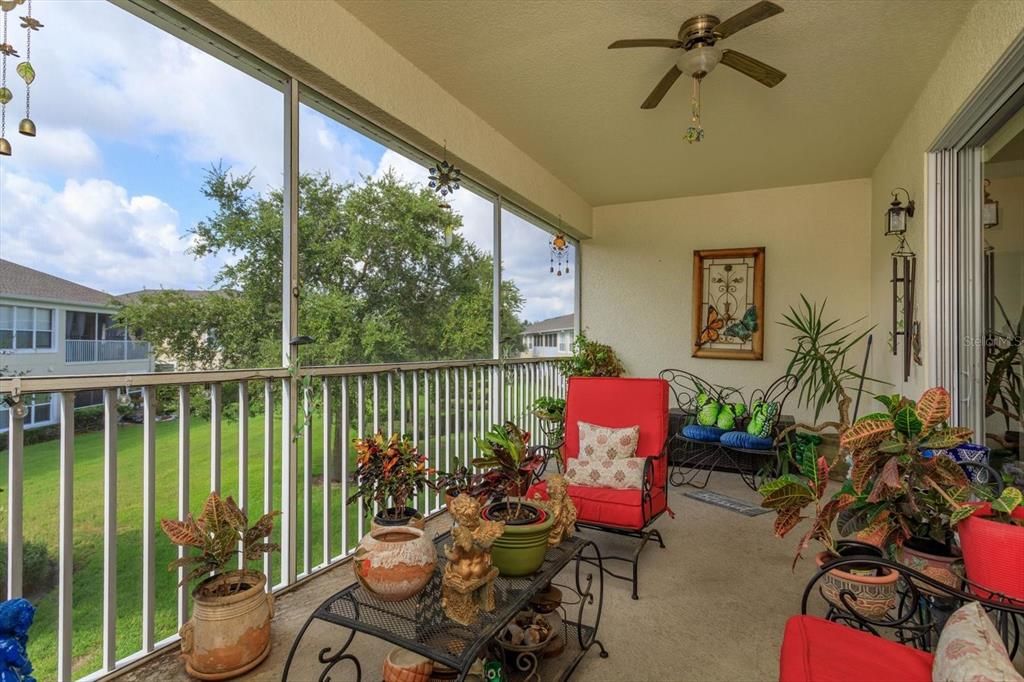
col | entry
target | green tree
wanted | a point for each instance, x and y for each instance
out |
(378, 283)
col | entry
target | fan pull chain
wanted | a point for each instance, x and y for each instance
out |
(695, 133)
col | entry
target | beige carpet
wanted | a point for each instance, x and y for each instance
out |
(712, 605)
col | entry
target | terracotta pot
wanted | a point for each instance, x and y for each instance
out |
(993, 553)
(227, 635)
(395, 563)
(521, 548)
(873, 595)
(405, 666)
(410, 517)
(934, 565)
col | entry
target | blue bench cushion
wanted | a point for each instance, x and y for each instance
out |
(705, 434)
(745, 441)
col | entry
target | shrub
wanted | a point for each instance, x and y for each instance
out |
(591, 359)
(39, 568)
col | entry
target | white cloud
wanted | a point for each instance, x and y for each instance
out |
(55, 150)
(94, 233)
(106, 72)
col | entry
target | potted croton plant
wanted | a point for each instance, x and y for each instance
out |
(905, 488)
(506, 454)
(992, 540)
(872, 590)
(229, 632)
(388, 472)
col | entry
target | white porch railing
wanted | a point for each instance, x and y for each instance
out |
(443, 407)
(80, 350)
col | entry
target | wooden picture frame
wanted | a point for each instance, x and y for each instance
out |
(727, 285)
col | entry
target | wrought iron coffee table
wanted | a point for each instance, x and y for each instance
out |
(419, 623)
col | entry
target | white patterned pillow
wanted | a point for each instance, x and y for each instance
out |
(603, 442)
(970, 649)
(606, 472)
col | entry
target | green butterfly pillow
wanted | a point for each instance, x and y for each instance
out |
(762, 418)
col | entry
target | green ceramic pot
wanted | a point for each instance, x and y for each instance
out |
(521, 548)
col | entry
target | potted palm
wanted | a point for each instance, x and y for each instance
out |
(992, 540)
(229, 632)
(388, 472)
(873, 591)
(506, 453)
(905, 488)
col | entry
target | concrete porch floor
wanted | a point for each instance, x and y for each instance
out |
(712, 605)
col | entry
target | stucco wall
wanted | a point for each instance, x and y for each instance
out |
(989, 29)
(637, 270)
(327, 48)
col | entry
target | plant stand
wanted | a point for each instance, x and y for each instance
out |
(421, 625)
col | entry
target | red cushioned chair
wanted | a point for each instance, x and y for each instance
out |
(617, 403)
(817, 650)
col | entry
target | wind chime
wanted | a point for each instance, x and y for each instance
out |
(695, 133)
(904, 278)
(559, 252)
(24, 69)
(445, 178)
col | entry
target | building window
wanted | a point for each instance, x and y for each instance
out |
(40, 411)
(24, 328)
(550, 340)
(84, 326)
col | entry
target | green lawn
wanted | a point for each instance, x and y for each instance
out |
(40, 524)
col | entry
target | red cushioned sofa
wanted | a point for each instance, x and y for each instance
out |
(617, 403)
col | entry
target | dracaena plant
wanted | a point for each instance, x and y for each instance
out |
(903, 485)
(217, 534)
(793, 492)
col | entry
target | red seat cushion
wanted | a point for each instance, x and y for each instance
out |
(816, 650)
(614, 507)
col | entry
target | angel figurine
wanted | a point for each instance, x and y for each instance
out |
(467, 586)
(560, 505)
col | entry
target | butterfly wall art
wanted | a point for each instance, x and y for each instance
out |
(728, 304)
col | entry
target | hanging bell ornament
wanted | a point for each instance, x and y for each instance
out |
(27, 127)
(5, 147)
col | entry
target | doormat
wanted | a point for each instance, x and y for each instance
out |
(727, 502)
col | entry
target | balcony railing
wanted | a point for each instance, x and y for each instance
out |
(81, 350)
(442, 407)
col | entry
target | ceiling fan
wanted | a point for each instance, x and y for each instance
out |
(700, 54)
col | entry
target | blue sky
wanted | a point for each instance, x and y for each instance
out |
(130, 118)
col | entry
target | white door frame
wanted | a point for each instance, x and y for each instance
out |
(956, 325)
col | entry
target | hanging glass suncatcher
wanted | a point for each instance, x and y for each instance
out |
(24, 69)
(559, 252)
(695, 133)
(445, 178)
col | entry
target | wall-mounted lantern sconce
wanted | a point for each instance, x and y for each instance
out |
(897, 215)
(989, 209)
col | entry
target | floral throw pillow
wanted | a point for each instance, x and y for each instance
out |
(970, 649)
(607, 443)
(606, 472)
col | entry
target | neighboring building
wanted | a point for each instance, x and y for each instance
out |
(549, 338)
(49, 325)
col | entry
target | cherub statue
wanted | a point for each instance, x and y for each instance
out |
(468, 579)
(561, 507)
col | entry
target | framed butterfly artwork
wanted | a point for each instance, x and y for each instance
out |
(728, 304)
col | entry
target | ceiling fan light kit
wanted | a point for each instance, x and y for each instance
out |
(697, 38)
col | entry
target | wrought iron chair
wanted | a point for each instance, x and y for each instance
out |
(690, 457)
(756, 465)
(918, 606)
(620, 402)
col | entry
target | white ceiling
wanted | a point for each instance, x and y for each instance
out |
(540, 73)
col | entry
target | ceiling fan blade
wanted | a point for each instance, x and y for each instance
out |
(645, 42)
(748, 66)
(661, 88)
(747, 17)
